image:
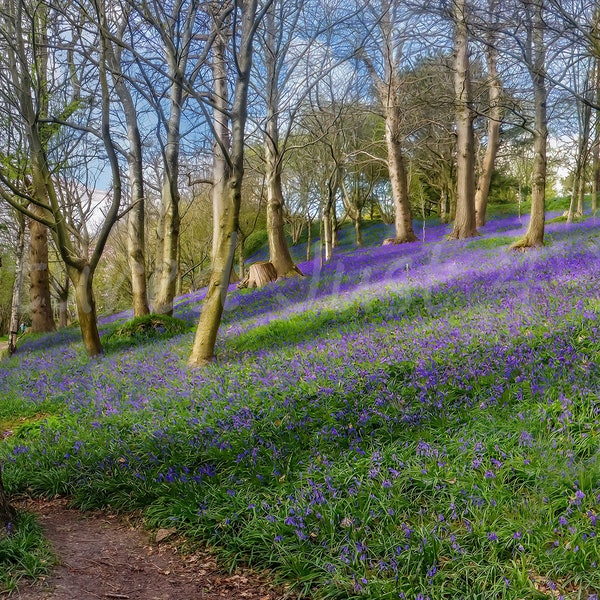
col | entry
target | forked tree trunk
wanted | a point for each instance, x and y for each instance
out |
(42, 319)
(279, 253)
(136, 246)
(534, 237)
(464, 222)
(493, 135)
(15, 308)
(228, 204)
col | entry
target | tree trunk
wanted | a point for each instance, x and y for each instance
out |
(15, 308)
(358, 230)
(279, 253)
(63, 304)
(308, 240)
(464, 223)
(42, 319)
(397, 172)
(136, 219)
(227, 204)
(86, 309)
(534, 237)
(136, 238)
(493, 134)
(259, 275)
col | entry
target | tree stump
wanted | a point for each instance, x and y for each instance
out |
(7, 512)
(259, 274)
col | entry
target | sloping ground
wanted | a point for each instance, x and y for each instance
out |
(406, 422)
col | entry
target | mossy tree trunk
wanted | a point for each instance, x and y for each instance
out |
(534, 236)
(464, 222)
(228, 202)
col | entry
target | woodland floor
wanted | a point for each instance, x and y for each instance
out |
(103, 556)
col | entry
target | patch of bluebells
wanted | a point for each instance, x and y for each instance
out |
(363, 444)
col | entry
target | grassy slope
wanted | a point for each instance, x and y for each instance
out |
(409, 422)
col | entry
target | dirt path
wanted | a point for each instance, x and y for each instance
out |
(103, 557)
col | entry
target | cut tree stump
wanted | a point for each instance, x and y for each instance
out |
(259, 274)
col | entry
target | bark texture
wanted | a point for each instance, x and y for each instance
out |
(228, 202)
(534, 237)
(493, 135)
(464, 222)
(42, 318)
(259, 275)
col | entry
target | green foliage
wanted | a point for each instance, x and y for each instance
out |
(254, 242)
(25, 553)
(142, 330)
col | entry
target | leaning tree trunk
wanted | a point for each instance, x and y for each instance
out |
(15, 308)
(493, 134)
(82, 279)
(398, 181)
(7, 512)
(42, 319)
(228, 203)
(534, 237)
(464, 222)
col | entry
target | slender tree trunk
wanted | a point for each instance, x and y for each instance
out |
(136, 243)
(15, 309)
(308, 240)
(230, 201)
(86, 308)
(398, 182)
(63, 304)
(358, 230)
(42, 319)
(327, 230)
(534, 237)
(464, 223)
(493, 135)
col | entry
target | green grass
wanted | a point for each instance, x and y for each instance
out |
(24, 553)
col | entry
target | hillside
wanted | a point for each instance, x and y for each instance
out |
(416, 421)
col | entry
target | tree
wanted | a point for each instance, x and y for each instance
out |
(493, 121)
(464, 223)
(535, 59)
(383, 63)
(244, 19)
(65, 215)
(136, 217)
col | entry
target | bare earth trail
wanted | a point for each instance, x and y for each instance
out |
(101, 556)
